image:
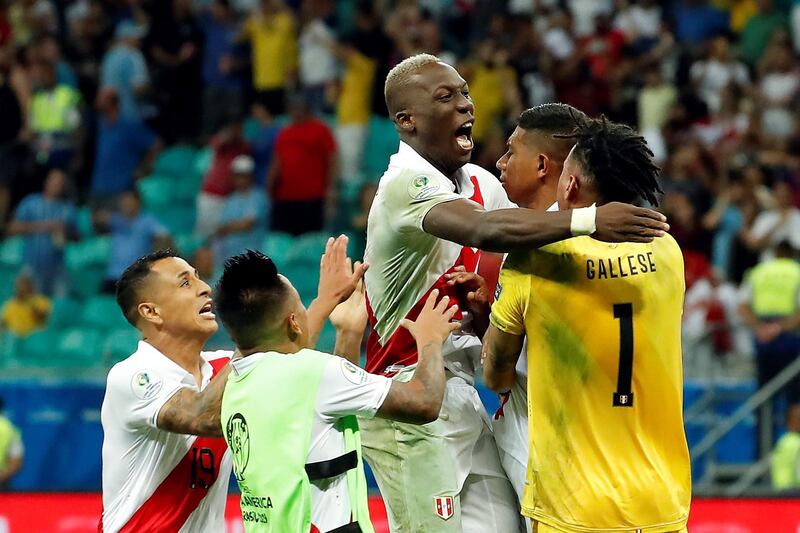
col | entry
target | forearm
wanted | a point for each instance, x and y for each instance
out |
(348, 345)
(791, 323)
(195, 413)
(748, 317)
(318, 312)
(500, 354)
(430, 377)
(503, 230)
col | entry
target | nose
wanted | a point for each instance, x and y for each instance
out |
(465, 105)
(501, 163)
(205, 288)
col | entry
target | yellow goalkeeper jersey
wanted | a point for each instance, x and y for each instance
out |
(608, 450)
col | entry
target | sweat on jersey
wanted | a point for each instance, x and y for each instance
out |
(407, 263)
(154, 480)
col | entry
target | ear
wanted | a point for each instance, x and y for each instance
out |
(542, 165)
(150, 312)
(573, 189)
(405, 121)
(293, 329)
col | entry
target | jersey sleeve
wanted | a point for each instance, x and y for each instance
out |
(511, 301)
(140, 395)
(412, 194)
(346, 389)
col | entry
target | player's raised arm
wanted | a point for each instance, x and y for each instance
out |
(350, 320)
(507, 230)
(338, 278)
(420, 400)
(500, 353)
(195, 413)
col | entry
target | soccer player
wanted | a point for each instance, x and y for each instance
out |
(165, 465)
(530, 171)
(289, 412)
(433, 212)
(603, 322)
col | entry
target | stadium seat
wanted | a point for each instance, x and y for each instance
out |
(277, 245)
(305, 278)
(102, 313)
(8, 276)
(178, 219)
(382, 142)
(85, 223)
(119, 344)
(187, 243)
(327, 339)
(9, 344)
(307, 248)
(38, 349)
(11, 251)
(85, 282)
(156, 192)
(94, 251)
(202, 161)
(64, 313)
(78, 347)
(176, 161)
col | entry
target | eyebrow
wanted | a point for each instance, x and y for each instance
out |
(450, 87)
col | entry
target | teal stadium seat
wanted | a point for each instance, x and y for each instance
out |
(77, 348)
(188, 243)
(202, 161)
(305, 278)
(327, 338)
(85, 223)
(8, 276)
(102, 313)
(307, 248)
(94, 251)
(175, 161)
(85, 282)
(157, 192)
(277, 245)
(38, 349)
(119, 344)
(382, 141)
(11, 252)
(64, 313)
(178, 218)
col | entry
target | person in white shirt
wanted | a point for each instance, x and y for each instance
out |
(165, 465)
(433, 212)
(262, 312)
(781, 223)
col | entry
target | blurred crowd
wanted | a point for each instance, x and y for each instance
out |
(91, 91)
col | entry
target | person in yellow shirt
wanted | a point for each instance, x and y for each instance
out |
(608, 450)
(11, 449)
(26, 311)
(272, 33)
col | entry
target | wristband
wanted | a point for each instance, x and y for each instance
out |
(583, 221)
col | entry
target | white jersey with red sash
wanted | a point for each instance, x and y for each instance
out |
(406, 263)
(154, 480)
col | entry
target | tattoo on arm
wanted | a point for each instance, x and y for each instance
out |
(195, 413)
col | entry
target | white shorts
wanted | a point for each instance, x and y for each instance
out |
(444, 476)
(510, 426)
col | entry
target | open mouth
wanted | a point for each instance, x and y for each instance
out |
(464, 136)
(206, 311)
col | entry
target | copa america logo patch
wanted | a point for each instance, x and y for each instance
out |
(498, 290)
(238, 438)
(144, 386)
(443, 505)
(421, 187)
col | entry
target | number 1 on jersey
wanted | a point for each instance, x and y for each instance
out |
(623, 397)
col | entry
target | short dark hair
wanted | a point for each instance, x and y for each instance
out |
(248, 292)
(617, 159)
(132, 280)
(553, 118)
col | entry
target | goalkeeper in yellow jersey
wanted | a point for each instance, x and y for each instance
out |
(608, 450)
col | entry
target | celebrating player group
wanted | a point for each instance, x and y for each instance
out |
(549, 283)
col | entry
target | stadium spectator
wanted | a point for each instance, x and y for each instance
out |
(46, 220)
(759, 29)
(48, 49)
(124, 146)
(228, 144)
(719, 71)
(317, 62)
(203, 260)
(244, 213)
(770, 307)
(55, 118)
(134, 234)
(124, 69)
(272, 33)
(11, 449)
(262, 142)
(641, 23)
(12, 147)
(302, 176)
(26, 311)
(786, 456)
(697, 20)
(778, 87)
(223, 61)
(175, 46)
(773, 226)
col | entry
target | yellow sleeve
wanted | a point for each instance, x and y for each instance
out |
(247, 28)
(43, 304)
(511, 301)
